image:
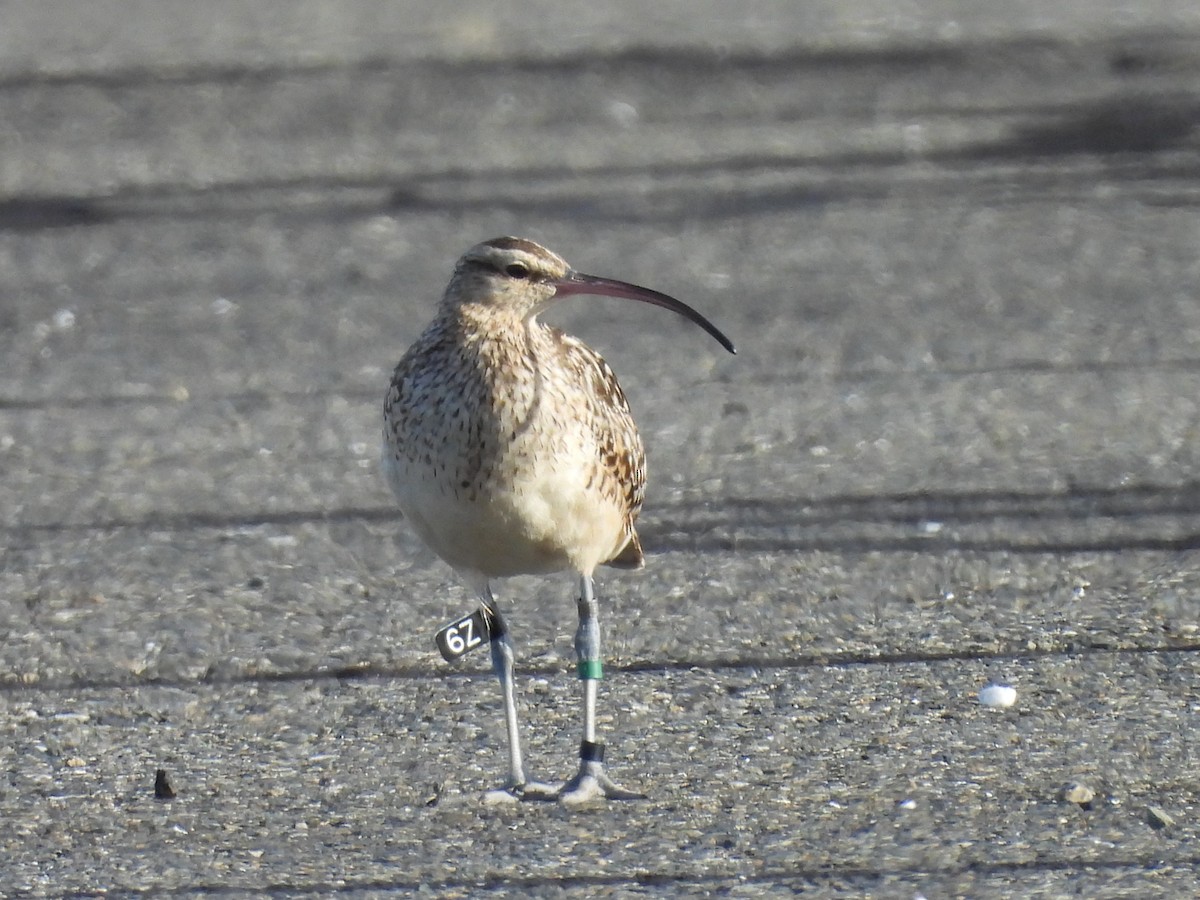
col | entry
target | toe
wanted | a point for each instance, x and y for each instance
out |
(592, 785)
(501, 797)
(580, 792)
(516, 793)
(537, 790)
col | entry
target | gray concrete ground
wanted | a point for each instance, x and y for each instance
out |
(957, 247)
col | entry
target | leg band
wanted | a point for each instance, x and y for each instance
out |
(591, 669)
(495, 623)
(591, 751)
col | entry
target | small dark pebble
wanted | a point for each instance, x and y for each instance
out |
(162, 787)
(1158, 817)
(435, 796)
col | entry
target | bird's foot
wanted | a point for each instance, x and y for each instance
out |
(592, 783)
(528, 790)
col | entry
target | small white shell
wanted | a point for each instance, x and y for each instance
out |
(998, 695)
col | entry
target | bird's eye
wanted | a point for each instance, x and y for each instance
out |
(516, 270)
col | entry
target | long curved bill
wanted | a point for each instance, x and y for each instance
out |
(578, 283)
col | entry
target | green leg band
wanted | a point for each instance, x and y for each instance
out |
(590, 669)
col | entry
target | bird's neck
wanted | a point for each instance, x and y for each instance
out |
(474, 324)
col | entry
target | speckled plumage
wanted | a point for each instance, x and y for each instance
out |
(495, 419)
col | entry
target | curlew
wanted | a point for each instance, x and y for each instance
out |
(511, 450)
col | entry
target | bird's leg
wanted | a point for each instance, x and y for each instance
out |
(592, 782)
(502, 663)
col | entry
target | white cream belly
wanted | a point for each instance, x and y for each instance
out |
(537, 519)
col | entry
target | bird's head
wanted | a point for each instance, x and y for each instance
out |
(507, 274)
(521, 278)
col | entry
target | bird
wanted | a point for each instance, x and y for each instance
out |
(511, 450)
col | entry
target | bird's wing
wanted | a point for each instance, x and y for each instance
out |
(621, 458)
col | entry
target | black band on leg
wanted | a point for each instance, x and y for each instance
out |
(591, 751)
(495, 622)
